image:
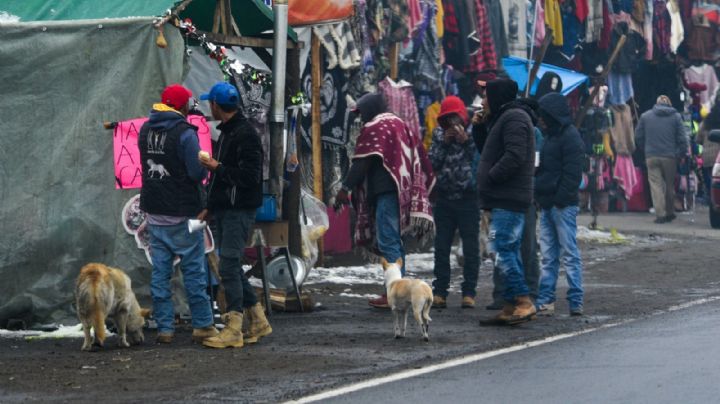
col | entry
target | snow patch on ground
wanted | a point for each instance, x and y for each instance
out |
(370, 274)
(599, 236)
(359, 296)
(6, 17)
(71, 331)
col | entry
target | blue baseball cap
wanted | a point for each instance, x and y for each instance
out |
(222, 93)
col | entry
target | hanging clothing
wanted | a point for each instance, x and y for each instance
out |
(516, 26)
(457, 30)
(539, 23)
(622, 131)
(497, 27)
(638, 11)
(485, 58)
(426, 46)
(431, 115)
(702, 43)
(703, 74)
(594, 25)
(661, 27)
(582, 11)
(401, 102)
(632, 51)
(339, 44)
(553, 19)
(677, 31)
(439, 18)
(399, 15)
(625, 175)
(415, 16)
(620, 88)
(606, 32)
(648, 28)
(572, 29)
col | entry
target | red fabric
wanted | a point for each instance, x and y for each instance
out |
(175, 96)
(485, 58)
(453, 105)
(606, 32)
(337, 239)
(405, 159)
(582, 10)
(638, 201)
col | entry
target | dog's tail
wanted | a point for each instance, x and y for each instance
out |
(91, 294)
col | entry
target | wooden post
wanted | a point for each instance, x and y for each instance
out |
(538, 61)
(316, 130)
(394, 58)
(588, 102)
(292, 196)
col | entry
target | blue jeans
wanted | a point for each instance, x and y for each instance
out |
(506, 231)
(167, 242)
(233, 230)
(451, 215)
(387, 228)
(558, 239)
(528, 254)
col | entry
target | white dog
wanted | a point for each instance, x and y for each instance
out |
(404, 293)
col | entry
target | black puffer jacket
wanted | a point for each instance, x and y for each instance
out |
(561, 159)
(237, 183)
(507, 158)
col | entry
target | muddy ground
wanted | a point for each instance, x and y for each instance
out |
(344, 340)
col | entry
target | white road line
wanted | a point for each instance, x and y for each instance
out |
(406, 374)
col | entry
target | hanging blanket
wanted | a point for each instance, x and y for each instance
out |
(411, 170)
(625, 175)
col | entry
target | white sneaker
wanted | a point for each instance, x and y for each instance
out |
(546, 309)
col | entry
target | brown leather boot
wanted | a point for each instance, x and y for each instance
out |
(231, 335)
(259, 326)
(524, 310)
(501, 318)
(200, 334)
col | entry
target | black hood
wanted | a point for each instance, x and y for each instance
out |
(545, 86)
(499, 92)
(555, 106)
(371, 105)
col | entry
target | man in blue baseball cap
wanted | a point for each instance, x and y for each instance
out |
(234, 194)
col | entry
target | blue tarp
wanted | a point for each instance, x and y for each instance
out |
(517, 69)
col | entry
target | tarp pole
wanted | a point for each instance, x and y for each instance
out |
(277, 106)
(316, 75)
(538, 61)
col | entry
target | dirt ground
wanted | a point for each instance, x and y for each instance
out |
(345, 341)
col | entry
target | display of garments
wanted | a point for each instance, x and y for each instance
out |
(401, 102)
(625, 175)
(594, 24)
(431, 114)
(622, 131)
(702, 43)
(606, 31)
(620, 88)
(572, 29)
(399, 15)
(439, 18)
(426, 46)
(516, 26)
(339, 44)
(553, 19)
(485, 58)
(457, 30)
(539, 22)
(661, 27)
(647, 28)
(632, 52)
(582, 10)
(415, 16)
(677, 31)
(638, 11)
(703, 74)
(497, 27)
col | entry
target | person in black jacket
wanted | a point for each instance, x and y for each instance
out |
(556, 191)
(234, 194)
(505, 138)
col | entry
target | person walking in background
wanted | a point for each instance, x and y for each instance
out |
(506, 140)
(234, 194)
(390, 179)
(662, 132)
(556, 191)
(170, 195)
(452, 154)
(710, 149)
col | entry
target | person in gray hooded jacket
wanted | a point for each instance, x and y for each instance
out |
(662, 132)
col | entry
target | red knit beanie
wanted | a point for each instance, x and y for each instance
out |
(175, 96)
(453, 105)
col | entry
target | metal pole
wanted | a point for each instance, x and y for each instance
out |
(532, 48)
(277, 109)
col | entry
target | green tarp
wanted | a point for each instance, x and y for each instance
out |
(58, 205)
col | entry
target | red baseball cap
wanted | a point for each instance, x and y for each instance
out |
(175, 96)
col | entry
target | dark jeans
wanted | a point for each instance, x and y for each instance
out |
(233, 230)
(463, 215)
(529, 257)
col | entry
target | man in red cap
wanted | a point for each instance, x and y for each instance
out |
(171, 194)
(452, 154)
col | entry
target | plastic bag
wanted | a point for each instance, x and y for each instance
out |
(314, 222)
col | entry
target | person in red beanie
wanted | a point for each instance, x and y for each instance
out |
(171, 195)
(452, 154)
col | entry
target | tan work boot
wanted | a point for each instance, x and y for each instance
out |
(259, 325)
(468, 302)
(164, 338)
(501, 318)
(200, 334)
(524, 310)
(231, 335)
(439, 302)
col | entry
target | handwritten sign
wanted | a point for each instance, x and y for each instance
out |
(126, 155)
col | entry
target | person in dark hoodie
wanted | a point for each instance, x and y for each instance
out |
(556, 191)
(506, 141)
(171, 194)
(234, 194)
(662, 132)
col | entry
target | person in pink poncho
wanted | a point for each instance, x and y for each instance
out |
(390, 180)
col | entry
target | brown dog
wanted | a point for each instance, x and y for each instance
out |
(404, 294)
(102, 292)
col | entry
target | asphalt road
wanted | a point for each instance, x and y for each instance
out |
(667, 358)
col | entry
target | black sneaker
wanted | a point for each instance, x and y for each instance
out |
(661, 220)
(669, 218)
(576, 311)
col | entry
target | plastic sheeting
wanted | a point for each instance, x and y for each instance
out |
(58, 206)
(517, 69)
